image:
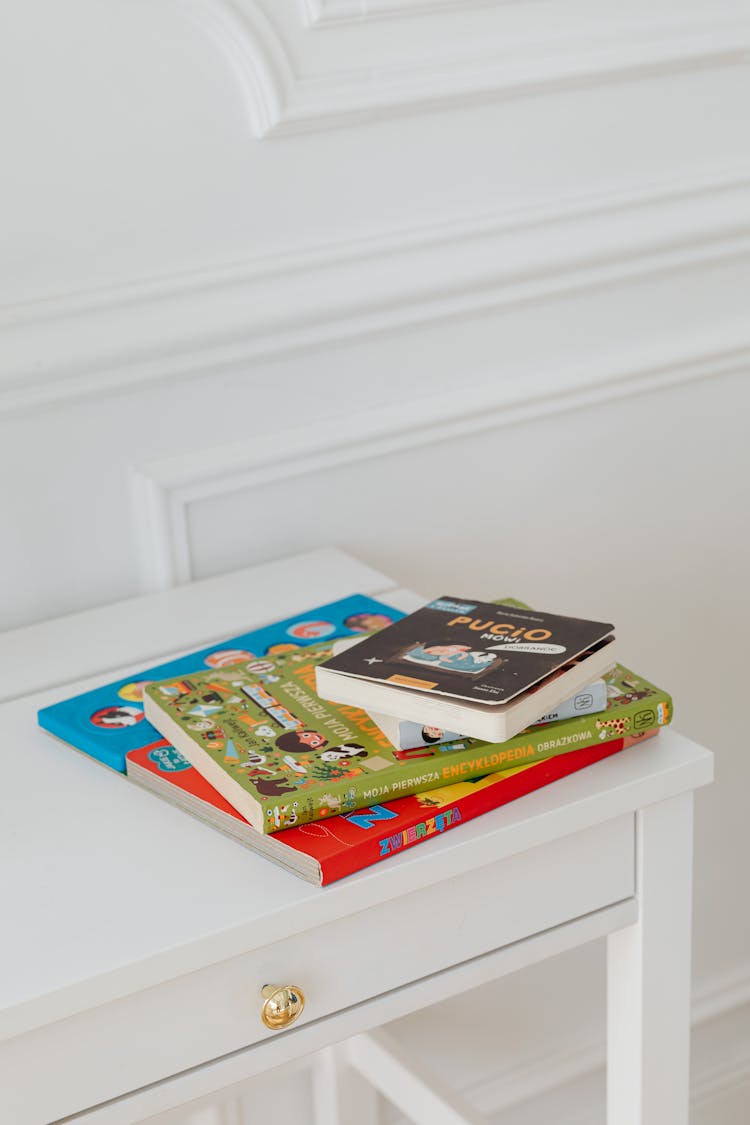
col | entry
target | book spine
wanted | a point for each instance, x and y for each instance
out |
(379, 842)
(463, 761)
(588, 701)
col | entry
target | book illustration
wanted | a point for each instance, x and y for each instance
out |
(368, 621)
(481, 652)
(452, 658)
(113, 718)
(277, 741)
(621, 717)
(283, 756)
(324, 851)
(404, 734)
(108, 721)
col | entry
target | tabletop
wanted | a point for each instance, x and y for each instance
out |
(107, 890)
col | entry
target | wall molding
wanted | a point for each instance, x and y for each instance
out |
(164, 490)
(333, 13)
(83, 345)
(282, 99)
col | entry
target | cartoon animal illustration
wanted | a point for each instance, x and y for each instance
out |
(617, 727)
(283, 816)
(330, 802)
(273, 787)
(265, 731)
(255, 765)
(346, 750)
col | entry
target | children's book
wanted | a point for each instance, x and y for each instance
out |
(633, 705)
(589, 701)
(406, 735)
(108, 722)
(280, 755)
(483, 668)
(336, 846)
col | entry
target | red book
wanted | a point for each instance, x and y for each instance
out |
(327, 850)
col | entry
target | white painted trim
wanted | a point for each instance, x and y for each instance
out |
(281, 101)
(166, 488)
(254, 53)
(334, 13)
(223, 319)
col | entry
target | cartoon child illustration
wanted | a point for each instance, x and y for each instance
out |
(367, 622)
(450, 658)
(431, 734)
(300, 741)
(346, 750)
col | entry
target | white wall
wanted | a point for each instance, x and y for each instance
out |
(458, 285)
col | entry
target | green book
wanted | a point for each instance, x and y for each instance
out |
(281, 756)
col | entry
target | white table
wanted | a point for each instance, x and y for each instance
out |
(135, 941)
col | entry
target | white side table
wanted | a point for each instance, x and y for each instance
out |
(136, 942)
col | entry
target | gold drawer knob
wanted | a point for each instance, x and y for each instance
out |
(282, 1004)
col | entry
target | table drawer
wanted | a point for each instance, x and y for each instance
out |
(203, 1015)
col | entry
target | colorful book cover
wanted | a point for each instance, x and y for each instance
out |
(336, 846)
(633, 705)
(407, 735)
(281, 755)
(482, 652)
(108, 722)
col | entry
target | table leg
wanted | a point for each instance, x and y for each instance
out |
(648, 976)
(340, 1094)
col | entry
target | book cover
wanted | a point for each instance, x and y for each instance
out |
(633, 705)
(482, 652)
(404, 734)
(282, 756)
(108, 722)
(589, 701)
(407, 735)
(336, 846)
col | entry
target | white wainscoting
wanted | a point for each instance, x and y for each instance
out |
(281, 100)
(457, 285)
(164, 490)
(192, 324)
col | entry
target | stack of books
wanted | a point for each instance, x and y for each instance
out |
(335, 739)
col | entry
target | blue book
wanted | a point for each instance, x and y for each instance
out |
(108, 722)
